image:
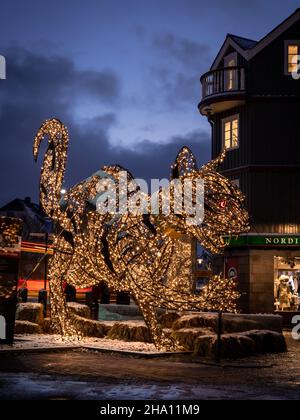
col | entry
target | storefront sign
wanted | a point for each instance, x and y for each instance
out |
(266, 241)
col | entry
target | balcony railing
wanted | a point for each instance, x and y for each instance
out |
(223, 81)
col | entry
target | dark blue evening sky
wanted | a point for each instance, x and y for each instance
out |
(122, 74)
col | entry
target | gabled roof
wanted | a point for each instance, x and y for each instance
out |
(19, 205)
(34, 218)
(244, 43)
(249, 48)
(237, 43)
(15, 205)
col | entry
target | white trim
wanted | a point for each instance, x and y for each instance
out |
(223, 122)
(221, 54)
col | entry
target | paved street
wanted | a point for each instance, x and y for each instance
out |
(91, 375)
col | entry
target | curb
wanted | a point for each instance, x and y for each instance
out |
(136, 353)
(39, 350)
(91, 348)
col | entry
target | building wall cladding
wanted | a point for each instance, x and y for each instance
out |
(267, 164)
(266, 75)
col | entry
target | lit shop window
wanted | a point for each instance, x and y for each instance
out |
(231, 132)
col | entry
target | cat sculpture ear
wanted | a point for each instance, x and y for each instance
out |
(185, 163)
(215, 163)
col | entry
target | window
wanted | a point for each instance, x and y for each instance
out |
(230, 75)
(292, 58)
(292, 52)
(231, 132)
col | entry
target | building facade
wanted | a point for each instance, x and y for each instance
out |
(251, 97)
(36, 239)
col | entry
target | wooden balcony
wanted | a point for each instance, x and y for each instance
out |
(222, 89)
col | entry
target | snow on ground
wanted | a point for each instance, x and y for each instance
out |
(44, 341)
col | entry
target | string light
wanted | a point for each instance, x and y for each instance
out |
(150, 256)
(10, 235)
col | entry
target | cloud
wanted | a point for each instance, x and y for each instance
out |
(185, 51)
(51, 75)
(104, 85)
(179, 83)
(40, 87)
(148, 159)
(177, 88)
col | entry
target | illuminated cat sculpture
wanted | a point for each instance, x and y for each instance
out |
(148, 256)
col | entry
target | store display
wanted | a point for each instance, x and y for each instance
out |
(287, 284)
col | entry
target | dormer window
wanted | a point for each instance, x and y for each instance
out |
(292, 53)
(230, 61)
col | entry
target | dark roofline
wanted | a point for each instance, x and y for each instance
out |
(34, 206)
(243, 38)
(10, 203)
(280, 24)
(261, 44)
(227, 40)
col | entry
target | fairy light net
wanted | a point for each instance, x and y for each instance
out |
(149, 256)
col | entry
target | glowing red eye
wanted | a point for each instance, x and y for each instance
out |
(223, 204)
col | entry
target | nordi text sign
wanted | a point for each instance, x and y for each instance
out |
(266, 241)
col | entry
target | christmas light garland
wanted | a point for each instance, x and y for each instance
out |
(10, 244)
(149, 256)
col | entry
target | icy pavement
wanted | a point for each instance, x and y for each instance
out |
(93, 375)
(44, 341)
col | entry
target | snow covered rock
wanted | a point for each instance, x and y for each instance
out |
(186, 337)
(244, 322)
(167, 319)
(26, 327)
(90, 328)
(231, 323)
(130, 331)
(268, 341)
(79, 309)
(201, 320)
(47, 326)
(31, 312)
(241, 344)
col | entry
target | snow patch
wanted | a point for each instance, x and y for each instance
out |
(45, 341)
